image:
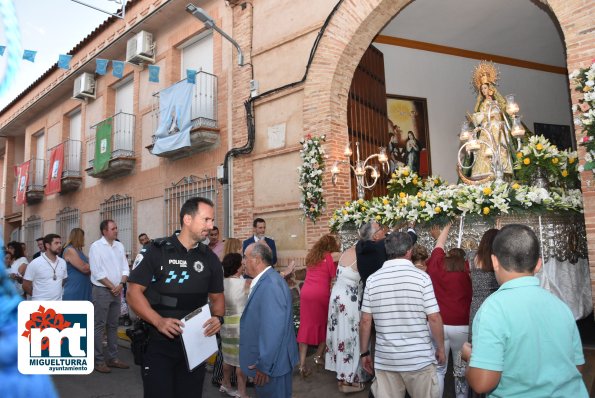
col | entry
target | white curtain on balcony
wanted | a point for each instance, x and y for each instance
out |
(174, 118)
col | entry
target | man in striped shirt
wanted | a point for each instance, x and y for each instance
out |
(400, 299)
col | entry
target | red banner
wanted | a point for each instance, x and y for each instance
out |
(54, 182)
(22, 172)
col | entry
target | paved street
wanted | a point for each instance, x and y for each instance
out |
(127, 384)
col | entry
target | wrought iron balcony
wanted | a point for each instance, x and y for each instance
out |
(120, 147)
(72, 176)
(35, 181)
(204, 133)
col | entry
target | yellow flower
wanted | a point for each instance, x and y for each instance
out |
(422, 203)
(570, 160)
(377, 218)
(564, 173)
(555, 160)
(526, 161)
(486, 210)
(436, 181)
(405, 173)
(419, 194)
(402, 194)
(385, 201)
(515, 186)
(360, 201)
(363, 209)
(345, 212)
(414, 181)
(394, 175)
(539, 147)
(487, 190)
(347, 203)
(437, 209)
(519, 155)
(586, 89)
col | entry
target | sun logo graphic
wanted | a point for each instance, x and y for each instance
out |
(56, 337)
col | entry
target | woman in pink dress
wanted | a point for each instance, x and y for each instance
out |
(314, 298)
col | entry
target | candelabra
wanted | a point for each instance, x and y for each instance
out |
(366, 175)
(495, 133)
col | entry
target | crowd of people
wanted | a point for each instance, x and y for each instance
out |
(385, 310)
(416, 309)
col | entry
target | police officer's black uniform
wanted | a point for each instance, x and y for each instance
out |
(178, 282)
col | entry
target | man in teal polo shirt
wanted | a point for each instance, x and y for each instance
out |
(525, 340)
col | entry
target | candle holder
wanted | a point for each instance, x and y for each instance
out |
(366, 175)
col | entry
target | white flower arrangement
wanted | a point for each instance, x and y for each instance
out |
(436, 204)
(310, 176)
(584, 80)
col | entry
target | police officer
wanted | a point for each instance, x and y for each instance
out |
(171, 278)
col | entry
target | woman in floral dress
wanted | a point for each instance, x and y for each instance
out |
(342, 338)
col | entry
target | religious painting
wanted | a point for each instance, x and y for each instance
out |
(409, 143)
(558, 134)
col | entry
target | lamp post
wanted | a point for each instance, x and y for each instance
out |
(486, 125)
(202, 16)
(361, 168)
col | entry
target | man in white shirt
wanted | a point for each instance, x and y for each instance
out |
(45, 276)
(400, 299)
(109, 272)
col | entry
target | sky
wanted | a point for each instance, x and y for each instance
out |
(51, 27)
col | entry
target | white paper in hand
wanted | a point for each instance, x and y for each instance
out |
(197, 346)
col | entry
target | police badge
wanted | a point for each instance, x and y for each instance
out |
(198, 266)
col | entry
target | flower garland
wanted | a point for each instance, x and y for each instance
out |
(584, 80)
(311, 173)
(404, 181)
(436, 204)
(539, 152)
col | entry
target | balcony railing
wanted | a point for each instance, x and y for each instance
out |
(36, 180)
(72, 165)
(203, 111)
(122, 146)
(203, 108)
(73, 150)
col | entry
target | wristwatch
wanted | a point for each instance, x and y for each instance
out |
(364, 354)
(221, 319)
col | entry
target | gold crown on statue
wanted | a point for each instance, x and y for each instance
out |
(485, 72)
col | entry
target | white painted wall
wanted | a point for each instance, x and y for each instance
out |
(445, 81)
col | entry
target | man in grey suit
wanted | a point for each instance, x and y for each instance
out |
(268, 348)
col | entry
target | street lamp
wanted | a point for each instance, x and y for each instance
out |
(366, 175)
(202, 16)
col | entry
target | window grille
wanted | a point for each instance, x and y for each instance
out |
(119, 209)
(33, 230)
(66, 220)
(180, 192)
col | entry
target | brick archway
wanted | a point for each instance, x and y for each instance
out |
(350, 32)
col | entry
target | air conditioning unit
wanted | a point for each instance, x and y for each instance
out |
(140, 48)
(84, 86)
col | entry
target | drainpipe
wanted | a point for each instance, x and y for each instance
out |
(249, 106)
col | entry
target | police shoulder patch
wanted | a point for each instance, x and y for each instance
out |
(137, 260)
(198, 266)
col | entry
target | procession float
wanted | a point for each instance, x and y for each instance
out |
(506, 175)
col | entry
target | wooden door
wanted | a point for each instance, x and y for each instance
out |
(367, 116)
